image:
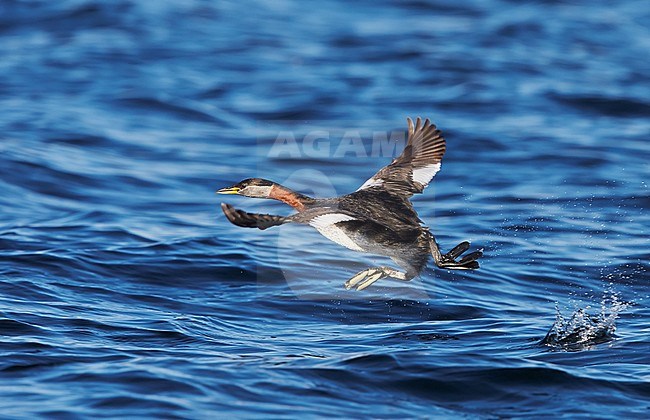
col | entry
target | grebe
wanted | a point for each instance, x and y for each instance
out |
(377, 218)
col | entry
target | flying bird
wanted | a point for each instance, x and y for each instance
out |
(377, 218)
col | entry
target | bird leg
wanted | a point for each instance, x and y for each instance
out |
(448, 260)
(367, 277)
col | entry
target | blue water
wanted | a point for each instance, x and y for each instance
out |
(125, 292)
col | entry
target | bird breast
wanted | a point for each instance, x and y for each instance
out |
(328, 226)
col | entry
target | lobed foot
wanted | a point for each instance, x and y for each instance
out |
(365, 278)
(468, 262)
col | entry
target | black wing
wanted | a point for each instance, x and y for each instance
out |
(252, 220)
(411, 172)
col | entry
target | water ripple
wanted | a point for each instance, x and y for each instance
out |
(125, 292)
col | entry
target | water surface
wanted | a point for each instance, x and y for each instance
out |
(125, 292)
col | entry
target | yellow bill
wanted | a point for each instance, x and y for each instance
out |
(229, 190)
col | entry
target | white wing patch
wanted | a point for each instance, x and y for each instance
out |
(424, 175)
(326, 225)
(372, 182)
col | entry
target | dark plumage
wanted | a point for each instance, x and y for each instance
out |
(377, 218)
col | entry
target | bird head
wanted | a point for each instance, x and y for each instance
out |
(251, 187)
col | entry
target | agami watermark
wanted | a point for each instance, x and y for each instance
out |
(330, 144)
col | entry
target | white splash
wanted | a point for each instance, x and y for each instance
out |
(581, 331)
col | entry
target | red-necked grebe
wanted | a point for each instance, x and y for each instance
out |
(377, 218)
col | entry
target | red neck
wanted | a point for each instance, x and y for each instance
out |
(292, 198)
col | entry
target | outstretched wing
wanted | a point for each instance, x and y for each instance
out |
(252, 220)
(411, 172)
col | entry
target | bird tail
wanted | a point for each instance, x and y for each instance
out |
(252, 220)
(448, 260)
